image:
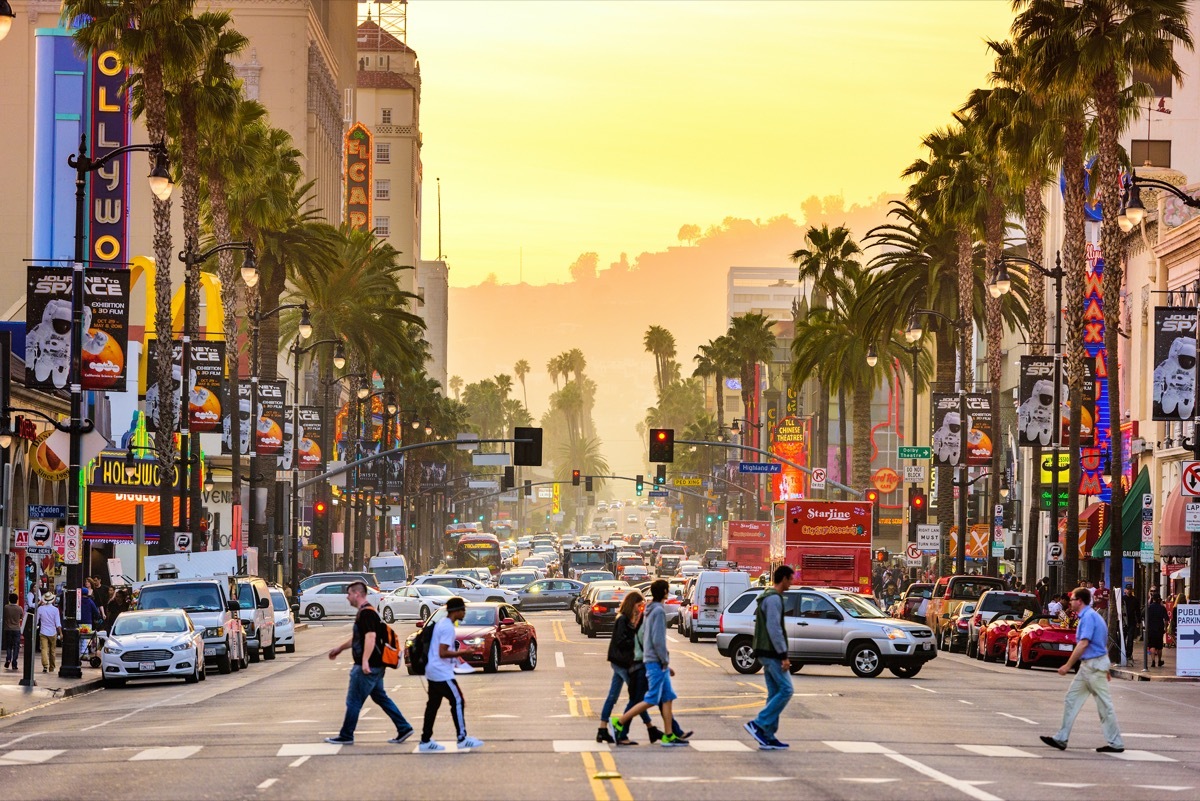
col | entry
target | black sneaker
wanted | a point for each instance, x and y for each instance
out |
(340, 740)
(1050, 741)
(1109, 749)
(401, 737)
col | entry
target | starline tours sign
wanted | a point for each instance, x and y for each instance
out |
(358, 177)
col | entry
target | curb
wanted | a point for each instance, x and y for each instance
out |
(82, 687)
(1127, 674)
(300, 627)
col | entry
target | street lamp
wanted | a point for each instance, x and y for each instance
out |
(6, 18)
(1003, 286)
(160, 184)
(915, 352)
(872, 356)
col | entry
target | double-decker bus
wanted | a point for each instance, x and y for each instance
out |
(477, 549)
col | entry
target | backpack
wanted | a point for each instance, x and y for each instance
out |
(391, 647)
(418, 651)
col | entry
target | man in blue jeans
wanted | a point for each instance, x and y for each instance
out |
(366, 677)
(770, 646)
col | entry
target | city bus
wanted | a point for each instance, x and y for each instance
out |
(477, 549)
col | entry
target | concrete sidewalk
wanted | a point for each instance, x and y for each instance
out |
(1135, 671)
(15, 699)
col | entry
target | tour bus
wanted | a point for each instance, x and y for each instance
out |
(478, 550)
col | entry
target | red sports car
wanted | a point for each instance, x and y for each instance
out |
(1041, 640)
(993, 637)
(497, 633)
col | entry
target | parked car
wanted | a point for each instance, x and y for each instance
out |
(329, 600)
(497, 633)
(556, 593)
(285, 624)
(1041, 641)
(414, 602)
(469, 589)
(998, 602)
(831, 627)
(258, 617)
(152, 644)
(211, 604)
(913, 602)
(954, 637)
(951, 592)
(599, 614)
(365, 577)
(993, 637)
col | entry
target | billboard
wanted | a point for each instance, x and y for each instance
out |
(789, 440)
(48, 323)
(359, 192)
(114, 497)
(828, 523)
(206, 387)
(108, 189)
(1174, 391)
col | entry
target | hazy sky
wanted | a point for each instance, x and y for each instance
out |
(565, 126)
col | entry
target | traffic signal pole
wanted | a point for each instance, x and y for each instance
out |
(858, 494)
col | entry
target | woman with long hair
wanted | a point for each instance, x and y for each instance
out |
(621, 657)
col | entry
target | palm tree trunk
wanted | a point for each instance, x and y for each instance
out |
(720, 379)
(1075, 267)
(945, 370)
(843, 444)
(190, 185)
(1035, 225)
(993, 243)
(266, 536)
(862, 436)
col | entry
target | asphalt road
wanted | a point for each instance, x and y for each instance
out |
(958, 730)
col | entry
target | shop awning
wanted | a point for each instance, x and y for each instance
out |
(1131, 521)
(1092, 521)
(1173, 536)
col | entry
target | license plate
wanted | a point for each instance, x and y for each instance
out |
(145, 666)
(710, 615)
(210, 650)
(926, 646)
(1066, 646)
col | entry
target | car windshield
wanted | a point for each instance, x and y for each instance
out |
(432, 589)
(279, 601)
(516, 579)
(857, 607)
(143, 624)
(534, 562)
(391, 572)
(589, 576)
(245, 596)
(479, 616)
(971, 590)
(1010, 604)
(188, 597)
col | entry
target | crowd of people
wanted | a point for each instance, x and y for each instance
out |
(99, 606)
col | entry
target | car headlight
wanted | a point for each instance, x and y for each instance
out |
(112, 649)
(183, 646)
(895, 633)
(474, 640)
(216, 631)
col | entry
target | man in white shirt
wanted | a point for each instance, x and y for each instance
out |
(439, 676)
(49, 626)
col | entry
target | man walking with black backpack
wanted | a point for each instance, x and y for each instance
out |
(366, 677)
(771, 648)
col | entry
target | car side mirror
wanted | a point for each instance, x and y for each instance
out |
(232, 606)
(508, 621)
(264, 603)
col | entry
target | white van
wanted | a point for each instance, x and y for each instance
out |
(714, 590)
(390, 568)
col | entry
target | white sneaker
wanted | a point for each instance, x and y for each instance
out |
(470, 742)
(462, 668)
(431, 747)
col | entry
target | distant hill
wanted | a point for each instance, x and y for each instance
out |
(605, 313)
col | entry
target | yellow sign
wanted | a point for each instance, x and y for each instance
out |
(1047, 469)
(556, 503)
(687, 482)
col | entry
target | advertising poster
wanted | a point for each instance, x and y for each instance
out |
(308, 439)
(1174, 391)
(1035, 412)
(947, 429)
(242, 409)
(790, 440)
(828, 523)
(270, 417)
(206, 387)
(980, 434)
(48, 323)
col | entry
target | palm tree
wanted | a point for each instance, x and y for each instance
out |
(520, 370)
(751, 341)
(575, 363)
(659, 342)
(504, 384)
(456, 385)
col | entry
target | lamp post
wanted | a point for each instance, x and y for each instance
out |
(189, 495)
(913, 350)
(339, 361)
(1002, 285)
(304, 331)
(351, 491)
(914, 334)
(161, 186)
(741, 431)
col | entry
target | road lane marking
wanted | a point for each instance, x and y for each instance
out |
(1024, 720)
(578, 746)
(1067, 785)
(751, 685)
(16, 740)
(585, 707)
(266, 784)
(998, 751)
(1150, 736)
(28, 757)
(663, 779)
(964, 787)
(871, 781)
(761, 778)
(299, 721)
(558, 659)
(166, 752)
(702, 660)
(298, 762)
(131, 714)
(718, 745)
(308, 749)
(1168, 787)
(618, 784)
(968, 703)
(589, 767)
(502, 716)
(236, 723)
(572, 701)
(1141, 756)
(925, 689)
(752, 705)
(671, 639)
(856, 747)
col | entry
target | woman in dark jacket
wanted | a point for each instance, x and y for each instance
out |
(1156, 628)
(621, 657)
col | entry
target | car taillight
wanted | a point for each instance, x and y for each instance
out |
(597, 609)
(721, 623)
(695, 611)
(978, 621)
(962, 624)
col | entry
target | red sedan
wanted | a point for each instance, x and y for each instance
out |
(993, 637)
(1041, 641)
(496, 634)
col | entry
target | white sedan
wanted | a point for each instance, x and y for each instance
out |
(469, 589)
(152, 644)
(414, 602)
(285, 626)
(329, 599)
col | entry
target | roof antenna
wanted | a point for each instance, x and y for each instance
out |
(439, 188)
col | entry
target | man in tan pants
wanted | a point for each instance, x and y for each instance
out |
(49, 626)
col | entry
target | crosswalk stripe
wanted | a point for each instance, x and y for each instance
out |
(998, 751)
(857, 747)
(308, 749)
(1141, 756)
(718, 745)
(35, 757)
(166, 753)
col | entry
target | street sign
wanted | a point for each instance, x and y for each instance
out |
(72, 552)
(1189, 479)
(1187, 640)
(760, 467)
(912, 555)
(42, 512)
(1191, 519)
(545, 493)
(183, 541)
(915, 452)
(483, 484)
(658, 493)
(1054, 553)
(929, 537)
(687, 481)
(914, 473)
(39, 550)
(41, 534)
(817, 480)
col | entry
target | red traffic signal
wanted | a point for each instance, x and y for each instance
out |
(575, 478)
(662, 445)
(872, 496)
(319, 507)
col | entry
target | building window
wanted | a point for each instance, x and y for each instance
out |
(1150, 153)
(383, 189)
(383, 226)
(1161, 87)
(385, 116)
(383, 152)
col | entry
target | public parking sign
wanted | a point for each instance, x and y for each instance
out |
(1191, 517)
(1187, 642)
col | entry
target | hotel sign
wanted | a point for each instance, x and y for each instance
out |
(108, 189)
(358, 177)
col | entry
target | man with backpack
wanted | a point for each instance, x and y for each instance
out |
(368, 643)
(441, 657)
(771, 648)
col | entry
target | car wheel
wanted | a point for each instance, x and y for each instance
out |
(203, 669)
(985, 653)
(531, 658)
(1021, 663)
(314, 612)
(245, 663)
(269, 653)
(1007, 661)
(425, 613)
(194, 678)
(493, 663)
(255, 655)
(866, 662)
(224, 664)
(972, 648)
(692, 635)
(388, 615)
(743, 658)
(112, 684)
(289, 649)
(591, 632)
(796, 667)
(905, 671)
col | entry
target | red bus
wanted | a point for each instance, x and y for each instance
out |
(478, 550)
(828, 543)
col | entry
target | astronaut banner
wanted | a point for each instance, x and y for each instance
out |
(947, 429)
(271, 417)
(1174, 392)
(206, 387)
(1035, 414)
(48, 328)
(308, 439)
(242, 409)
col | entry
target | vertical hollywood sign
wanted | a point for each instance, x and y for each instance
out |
(358, 177)
(109, 188)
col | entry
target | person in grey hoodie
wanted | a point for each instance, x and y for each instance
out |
(770, 646)
(658, 671)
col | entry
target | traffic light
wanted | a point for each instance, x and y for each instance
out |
(481, 518)
(528, 488)
(319, 519)
(660, 476)
(575, 478)
(918, 506)
(638, 484)
(1012, 554)
(527, 454)
(709, 520)
(662, 444)
(881, 555)
(587, 483)
(510, 478)
(872, 497)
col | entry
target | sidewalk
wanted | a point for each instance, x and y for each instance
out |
(15, 698)
(1135, 672)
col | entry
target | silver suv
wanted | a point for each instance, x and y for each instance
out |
(831, 627)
